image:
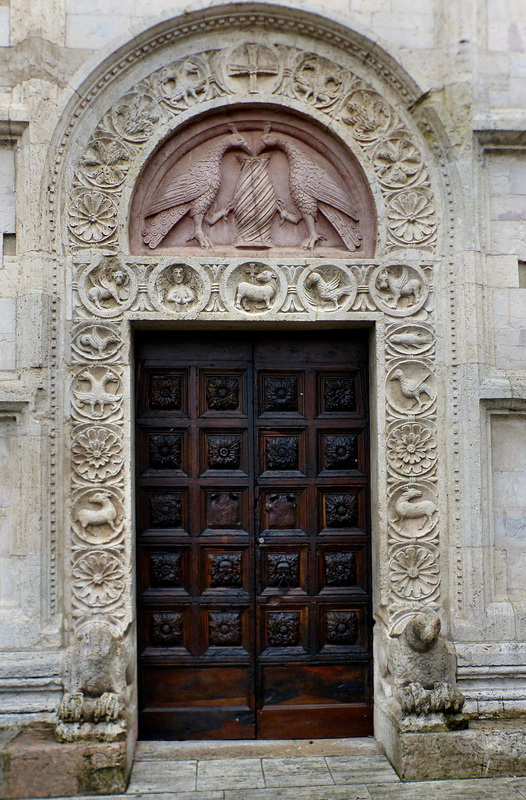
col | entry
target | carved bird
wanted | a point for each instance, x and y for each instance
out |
(311, 188)
(194, 191)
(330, 291)
(97, 397)
(412, 388)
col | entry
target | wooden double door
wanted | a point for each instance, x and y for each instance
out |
(254, 612)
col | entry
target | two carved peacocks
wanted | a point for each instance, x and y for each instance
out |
(194, 191)
(312, 188)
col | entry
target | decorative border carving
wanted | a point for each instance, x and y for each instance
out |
(313, 81)
(230, 289)
(237, 288)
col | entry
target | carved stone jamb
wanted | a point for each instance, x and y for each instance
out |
(99, 680)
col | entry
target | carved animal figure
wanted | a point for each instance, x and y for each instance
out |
(311, 188)
(260, 293)
(398, 287)
(422, 631)
(97, 397)
(329, 291)
(192, 192)
(109, 286)
(412, 388)
(97, 341)
(406, 509)
(412, 338)
(186, 82)
(105, 515)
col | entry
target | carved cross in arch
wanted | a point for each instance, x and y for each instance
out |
(252, 69)
(252, 271)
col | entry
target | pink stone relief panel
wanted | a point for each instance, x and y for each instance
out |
(259, 181)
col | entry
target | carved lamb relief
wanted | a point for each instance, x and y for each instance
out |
(257, 183)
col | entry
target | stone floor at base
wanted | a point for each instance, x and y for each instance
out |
(342, 769)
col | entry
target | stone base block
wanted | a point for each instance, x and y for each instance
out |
(486, 750)
(35, 765)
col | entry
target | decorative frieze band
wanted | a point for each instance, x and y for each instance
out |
(107, 289)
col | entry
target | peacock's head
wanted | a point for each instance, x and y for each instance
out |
(237, 140)
(269, 138)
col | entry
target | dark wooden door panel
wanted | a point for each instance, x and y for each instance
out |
(253, 535)
(195, 543)
(312, 541)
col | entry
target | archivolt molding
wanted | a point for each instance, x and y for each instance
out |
(252, 72)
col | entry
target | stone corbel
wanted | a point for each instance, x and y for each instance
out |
(14, 119)
(501, 129)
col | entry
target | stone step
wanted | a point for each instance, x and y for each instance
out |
(259, 748)
(164, 775)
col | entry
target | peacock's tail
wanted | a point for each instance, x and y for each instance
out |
(156, 227)
(346, 227)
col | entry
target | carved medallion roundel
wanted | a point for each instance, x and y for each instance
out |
(258, 181)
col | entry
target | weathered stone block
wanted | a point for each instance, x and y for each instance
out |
(35, 765)
(487, 749)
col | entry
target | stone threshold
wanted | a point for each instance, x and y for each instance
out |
(254, 748)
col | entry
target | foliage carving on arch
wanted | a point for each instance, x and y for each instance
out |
(255, 71)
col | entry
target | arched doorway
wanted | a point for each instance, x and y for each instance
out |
(174, 83)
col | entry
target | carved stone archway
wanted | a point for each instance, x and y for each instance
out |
(142, 99)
